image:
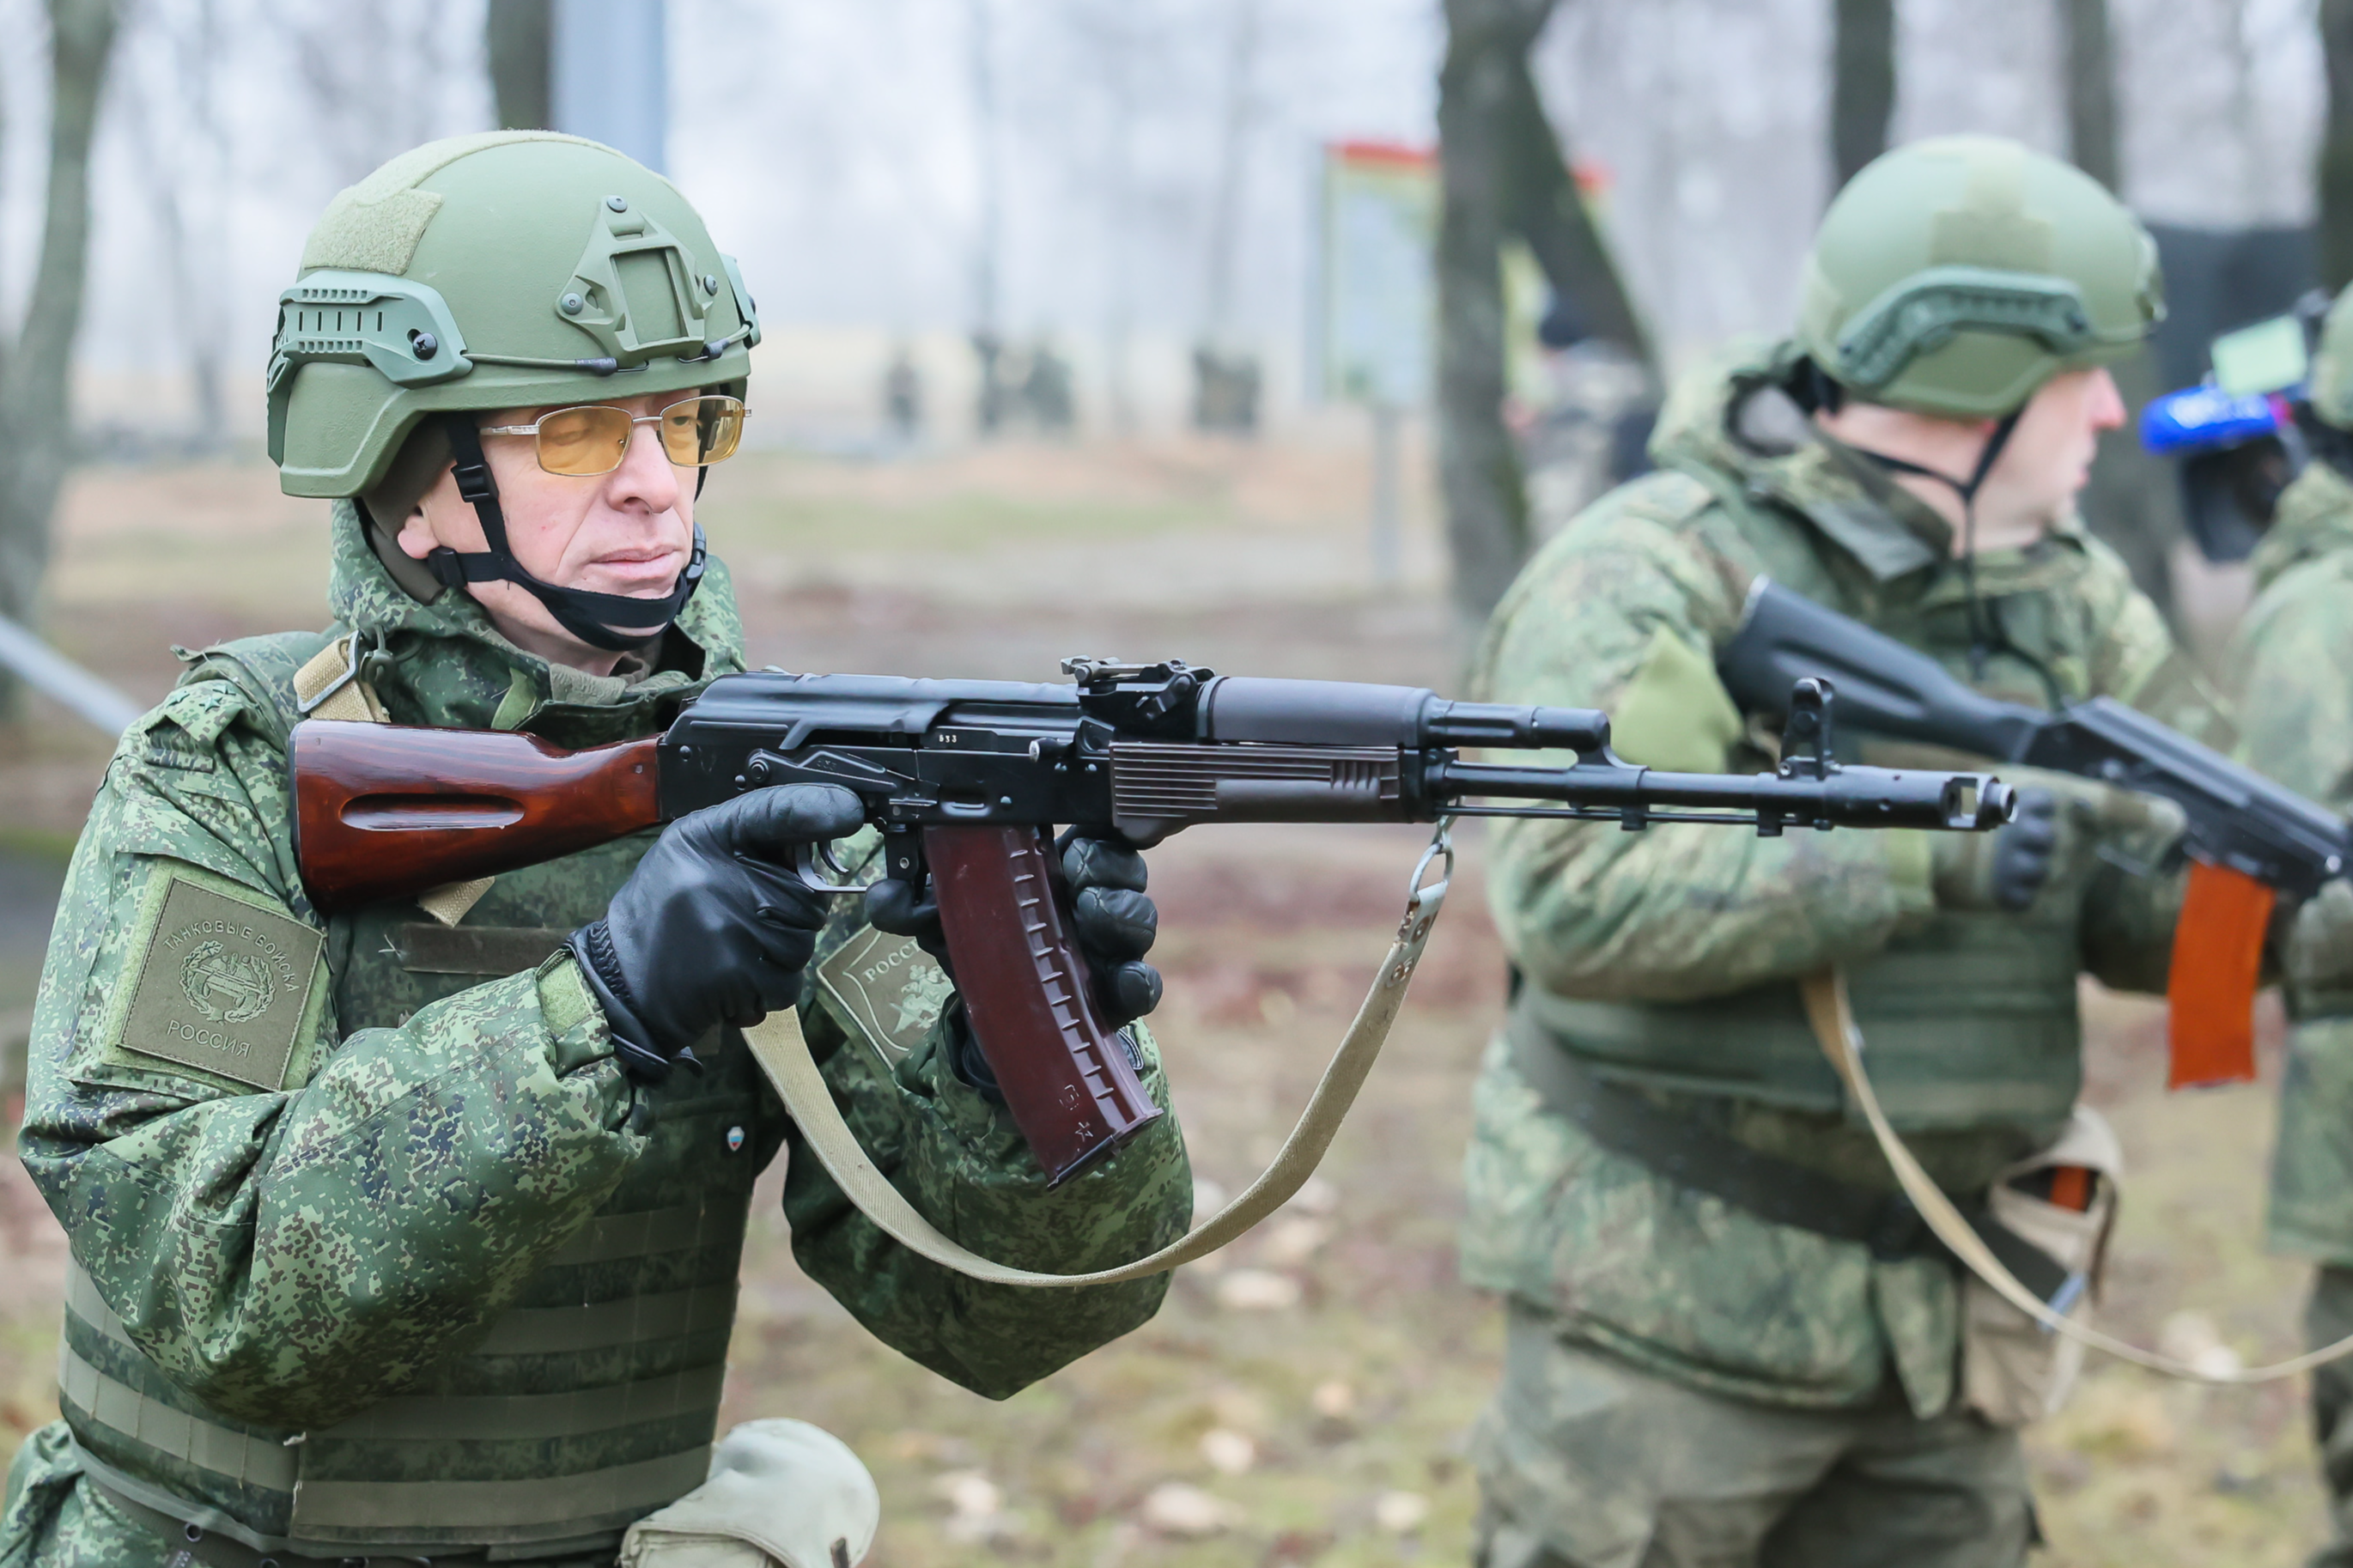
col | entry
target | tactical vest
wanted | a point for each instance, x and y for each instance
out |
(590, 1403)
(1971, 1020)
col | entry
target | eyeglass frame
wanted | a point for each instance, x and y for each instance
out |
(531, 430)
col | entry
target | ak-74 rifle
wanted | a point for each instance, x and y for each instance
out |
(2248, 839)
(965, 780)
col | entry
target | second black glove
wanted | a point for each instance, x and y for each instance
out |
(1113, 921)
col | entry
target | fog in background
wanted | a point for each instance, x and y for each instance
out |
(839, 149)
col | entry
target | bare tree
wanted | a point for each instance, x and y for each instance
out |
(988, 238)
(174, 120)
(1110, 36)
(1233, 148)
(1479, 474)
(2336, 146)
(2091, 88)
(1862, 82)
(519, 36)
(377, 73)
(1549, 211)
(1225, 375)
(36, 422)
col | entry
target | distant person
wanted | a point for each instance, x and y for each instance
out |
(1592, 435)
(2293, 665)
(1225, 391)
(1047, 394)
(1731, 1343)
(902, 396)
(411, 1233)
(994, 403)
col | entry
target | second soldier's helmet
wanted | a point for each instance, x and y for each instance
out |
(509, 269)
(1955, 276)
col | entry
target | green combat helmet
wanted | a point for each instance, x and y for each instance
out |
(504, 271)
(1955, 276)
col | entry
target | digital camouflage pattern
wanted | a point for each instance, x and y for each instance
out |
(1608, 1466)
(287, 1257)
(1624, 611)
(2292, 662)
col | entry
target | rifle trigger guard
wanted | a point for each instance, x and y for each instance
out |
(813, 862)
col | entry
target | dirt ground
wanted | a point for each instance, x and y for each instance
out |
(1304, 1397)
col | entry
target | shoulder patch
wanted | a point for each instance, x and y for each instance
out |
(224, 986)
(890, 990)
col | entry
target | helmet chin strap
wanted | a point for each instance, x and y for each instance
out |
(1981, 638)
(591, 617)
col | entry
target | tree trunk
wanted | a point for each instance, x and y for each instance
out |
(2337, 147)
(1477, 467)
(1862, 82)
(520, 36)
(1544, 207)
(2091, 88)
(35, 419)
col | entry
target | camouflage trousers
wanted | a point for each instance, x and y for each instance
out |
(1585, 1462)
(2327, 1318)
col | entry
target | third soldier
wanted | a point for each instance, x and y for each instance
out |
(2294, 659)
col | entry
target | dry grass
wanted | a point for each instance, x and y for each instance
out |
(1328, 1429)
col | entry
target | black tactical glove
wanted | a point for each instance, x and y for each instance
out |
(1115, 922)
(713, 927)
(1112, 921)
(2006, 868)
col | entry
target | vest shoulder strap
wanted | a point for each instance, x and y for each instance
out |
(328, 685)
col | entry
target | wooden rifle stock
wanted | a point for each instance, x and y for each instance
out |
(385, 811)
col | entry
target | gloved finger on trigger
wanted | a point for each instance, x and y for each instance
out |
(1114, 923)
(781, 897)
(1101, 863)
(768, 823)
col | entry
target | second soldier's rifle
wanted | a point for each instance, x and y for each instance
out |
(2248, 839)
(966, 779)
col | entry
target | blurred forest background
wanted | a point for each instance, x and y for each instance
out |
(1048, 370)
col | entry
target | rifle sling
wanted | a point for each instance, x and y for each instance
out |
(783, 1055)
(1833, 1017)
(428, 947)
(1690, 1154)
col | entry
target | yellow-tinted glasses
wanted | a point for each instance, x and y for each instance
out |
(593, 438)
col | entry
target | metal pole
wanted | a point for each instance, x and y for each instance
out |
(608, 78)
(63, 681)
(1389, 463)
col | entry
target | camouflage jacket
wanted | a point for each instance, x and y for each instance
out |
(293, 1238)
(1625, 610)
(2292, 669)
